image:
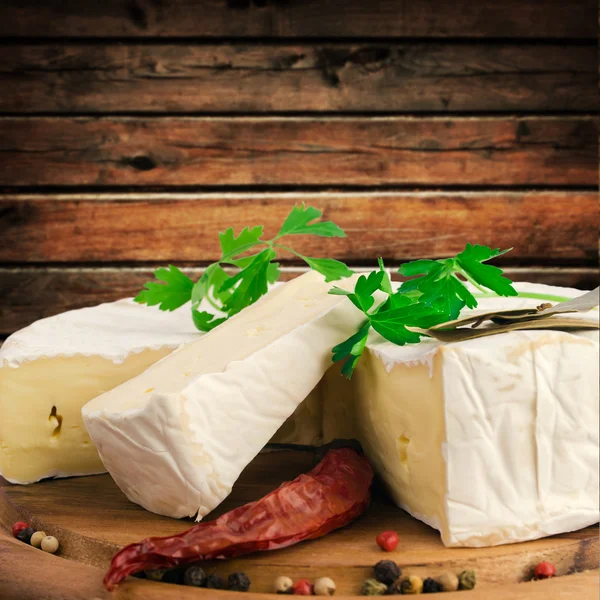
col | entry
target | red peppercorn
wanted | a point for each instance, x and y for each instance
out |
(19, 526)
(302, 587)
(545, 570)
(388, 540)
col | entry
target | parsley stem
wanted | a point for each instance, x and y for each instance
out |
(288, 249)
(471, 281)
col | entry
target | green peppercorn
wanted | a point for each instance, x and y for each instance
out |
(214, 582)
(411, 585)
(466, 580)
(448, 581)
(194, 576)
(387, 571)
(238, 582)
(431, 586)
(372, 587)
(155, 574)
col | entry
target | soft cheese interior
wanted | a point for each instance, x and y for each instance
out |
(176, 437)
(49, 370)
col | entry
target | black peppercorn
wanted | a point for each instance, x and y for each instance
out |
(431, 586)
(173, 576)
(25, 534)
(194, 576)
(387, 571)
(238, 582)
(214, 582)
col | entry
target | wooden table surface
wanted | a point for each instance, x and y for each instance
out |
(93, 519)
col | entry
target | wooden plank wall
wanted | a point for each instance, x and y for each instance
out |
(132, 131)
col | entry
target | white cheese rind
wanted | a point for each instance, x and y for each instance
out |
(521, 438)
(509, 437)
(178, 449)
(113, 331)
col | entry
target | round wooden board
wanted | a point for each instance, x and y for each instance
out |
(93, 519)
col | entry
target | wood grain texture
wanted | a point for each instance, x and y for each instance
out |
(308, 18)
(410, 77)
(553, 227)
(93, 519)
(29, 294)
(298, 151)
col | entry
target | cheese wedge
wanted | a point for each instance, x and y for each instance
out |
(176, 437)
(493, 440)
(50, 369)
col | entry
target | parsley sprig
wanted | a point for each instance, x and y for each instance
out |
(435, 296)
(229, 294)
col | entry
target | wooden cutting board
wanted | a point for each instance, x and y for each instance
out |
(93, 519)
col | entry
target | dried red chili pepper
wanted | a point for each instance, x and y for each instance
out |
(330, 496)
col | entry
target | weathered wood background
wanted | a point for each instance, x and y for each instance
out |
(132, 131)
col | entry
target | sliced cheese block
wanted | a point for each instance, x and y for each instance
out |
(176, 437)
(50, 369)
(492, 440)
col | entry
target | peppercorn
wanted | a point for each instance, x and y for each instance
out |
(36, 539)
(466, 580)
(394, 588)
(238, 582)
(25, 534)
(387, 540)
(155, 574)
(387, 571)
(324, 586)
(283, 585)
(194, 576)
(214, 582)
(448, 581)
(411, 585)
(545, 570)
(49, 544)
(431, 586)
(302, 587)
(173, 576)
(372, 587)
(19, 526)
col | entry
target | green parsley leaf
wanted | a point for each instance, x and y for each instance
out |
(208, 285)
(205, 321)
(439, 285)
(365, 287)
(435, 296)
(232, 246)
(332, 269)
(471, 260)
(298, 222)
(417, 267)
(386, 284)
(249, 284)
(173, 293)
(230, 294)
(351, 350)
